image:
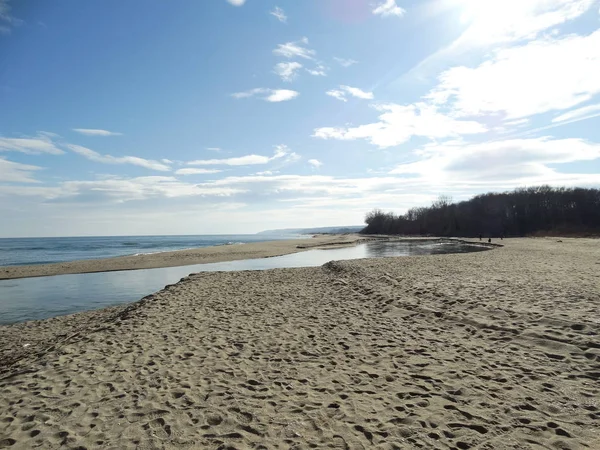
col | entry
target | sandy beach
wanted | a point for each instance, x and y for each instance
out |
(490, 350)
(182, 257)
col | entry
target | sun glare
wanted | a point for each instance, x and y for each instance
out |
(491, 19)
(489, 12)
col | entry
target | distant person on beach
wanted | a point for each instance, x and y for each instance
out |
(480, 237)
(489, 240)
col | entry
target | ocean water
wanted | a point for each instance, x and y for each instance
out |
(19, 251)
(43, 297)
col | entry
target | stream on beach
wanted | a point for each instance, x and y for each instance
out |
(40, 298)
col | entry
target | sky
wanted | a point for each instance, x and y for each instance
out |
(236, 116)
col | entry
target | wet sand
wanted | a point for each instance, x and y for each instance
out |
(488, 350)
(181, 257)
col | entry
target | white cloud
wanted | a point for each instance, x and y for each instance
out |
(279, 14)
(319, 71)
(341, 93)
(541, 76)
(281, 150)
(96, 132)
(281, 95)
(345, 62)
(517, 122)
(510, 126)
(388, 8)
(392, 199)
(7, 21)
(31, 145)
(125, 189)
(398, 123)
(121, 189)
(248, 160)
(108, 159)
(508, 163)
(295, 50)
(48, 134)
(282, 200)
(194, 171)
(336, 93)
(236, 2)
(39, 192)
(358, 93)
(580, 113)
(269, 95)
(500, 21)
(284, 156)
(287, 70)
(551, 75)
(532, 131)
(461, 175)
(307, 184)
(4, 9)
(493, 22)
(214, 149)
(12, 172)
(185, 215)
(177, 197)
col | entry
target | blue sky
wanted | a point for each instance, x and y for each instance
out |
(231, 116)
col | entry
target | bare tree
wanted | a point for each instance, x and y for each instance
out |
(524, 211)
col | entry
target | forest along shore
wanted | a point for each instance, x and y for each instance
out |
(182, 257)
(496, 349)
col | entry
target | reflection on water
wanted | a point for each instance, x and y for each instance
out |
(40, 298)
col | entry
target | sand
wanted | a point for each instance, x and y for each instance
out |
(182, 257)
(488, 350)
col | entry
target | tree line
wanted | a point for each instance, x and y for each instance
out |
(540, 210)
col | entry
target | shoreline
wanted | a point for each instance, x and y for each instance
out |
(434, 351)
(207, 255)
(184, 257)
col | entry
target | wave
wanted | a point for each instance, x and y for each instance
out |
(179, 249)
(14, 249)
(51, 250)
(176, 249)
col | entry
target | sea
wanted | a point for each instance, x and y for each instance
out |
(21, 251)
(43, 297)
